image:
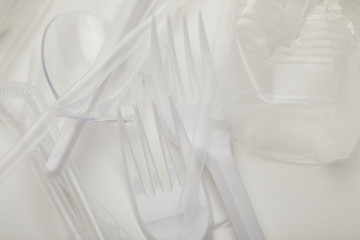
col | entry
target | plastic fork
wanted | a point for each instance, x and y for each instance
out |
(189, 110)
(157, 208)
(184, 103)
(214, 147)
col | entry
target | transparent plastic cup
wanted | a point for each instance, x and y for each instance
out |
(302, 60)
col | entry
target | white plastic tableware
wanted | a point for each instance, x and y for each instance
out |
(188, 109)
(156, 204)
(128, 17)
(222, 167)
(81, 215)
(83, 101)
(186, 113)
(33, 106)
(72, 43)
(129, 54)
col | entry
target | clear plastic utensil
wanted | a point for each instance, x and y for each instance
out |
(79, 213)
(82, 215)
(197, 111)
(128, 17)
(53, 190)
(157, 207)
(192, 112)
(128, 52)
(70, 44)
(221, 165)
(123, 23)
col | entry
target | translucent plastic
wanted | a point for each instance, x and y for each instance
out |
(202, 128)
(17, 153)
(127, 18)
(127, 55)
(70, 45)
(302, 59)
(89, 39)
(82, 217)
(157, 202)
(191, 116)
(222, 167)
(52, 189)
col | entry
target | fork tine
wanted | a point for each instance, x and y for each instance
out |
(159, 73)
(159, 76)
(154, 172)
(137, 183)
(205, 49)
(169, 160)
(185, 146)
(174, 62)
(193, 76)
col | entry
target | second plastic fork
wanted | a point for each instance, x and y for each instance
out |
(193, 113)
(217, 151)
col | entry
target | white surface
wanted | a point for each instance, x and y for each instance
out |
(296, 202)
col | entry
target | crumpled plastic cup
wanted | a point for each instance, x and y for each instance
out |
(302, 60)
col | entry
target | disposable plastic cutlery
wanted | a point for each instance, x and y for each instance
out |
(52, 189)
(81, 215)
(129, 16)
(125, 20)
(129, 54)
(188, 108)
(195, 116)
(157, 208)
(70, 45)
(185, 103)
(223, 169)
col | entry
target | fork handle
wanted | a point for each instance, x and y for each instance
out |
(63, 147)
(221, 165)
